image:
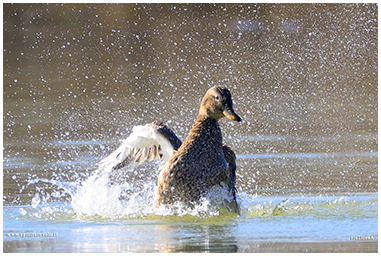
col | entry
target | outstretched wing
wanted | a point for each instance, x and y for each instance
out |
(145, 143)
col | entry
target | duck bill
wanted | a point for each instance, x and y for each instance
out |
(229, 113)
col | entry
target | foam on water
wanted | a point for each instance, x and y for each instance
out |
(101, 196)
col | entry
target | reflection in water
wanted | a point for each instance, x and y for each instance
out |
(197, 238)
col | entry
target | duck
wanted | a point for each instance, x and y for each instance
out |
(191, 168)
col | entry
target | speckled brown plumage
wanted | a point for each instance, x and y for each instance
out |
(202, 161)
(167, 133)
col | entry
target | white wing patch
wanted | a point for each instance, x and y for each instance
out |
(144, 143)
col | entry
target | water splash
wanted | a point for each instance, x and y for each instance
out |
(36, 200)
(105, 196)
(100, 197)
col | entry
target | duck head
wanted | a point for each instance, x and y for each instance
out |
(217, 103)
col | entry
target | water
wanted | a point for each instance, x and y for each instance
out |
(107, 224)
(118, 213)
(78, 77)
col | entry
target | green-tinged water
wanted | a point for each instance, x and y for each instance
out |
(303, 77)
(301, 220)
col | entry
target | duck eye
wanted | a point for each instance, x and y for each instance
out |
(217, 98)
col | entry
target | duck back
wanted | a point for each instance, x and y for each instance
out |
(196, 166)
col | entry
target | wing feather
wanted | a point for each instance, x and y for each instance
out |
(150, 142)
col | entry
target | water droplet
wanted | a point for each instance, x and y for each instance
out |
(36, 200)
(22, 211)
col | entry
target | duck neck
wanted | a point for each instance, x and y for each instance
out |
(204, 132)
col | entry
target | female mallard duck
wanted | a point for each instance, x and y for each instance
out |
(193, 167)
